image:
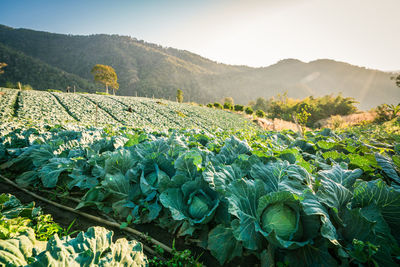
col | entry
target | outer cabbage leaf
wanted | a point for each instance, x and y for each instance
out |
(316, 254)
(231, 150)
(223, 245)
(388, 167)
(341, 176)
(17, 250)
(50, 172)
(281, 176)
(93, 247)
(243, 196)
(386, 199)
(219, 177)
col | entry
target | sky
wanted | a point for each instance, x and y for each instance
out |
(240, 32)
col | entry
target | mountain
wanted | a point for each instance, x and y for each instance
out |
(29, 70)
(147, 69)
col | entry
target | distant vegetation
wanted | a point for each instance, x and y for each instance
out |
(309, 110)
(105, 75)
(2, 65)
(179, 96)
(46, 60)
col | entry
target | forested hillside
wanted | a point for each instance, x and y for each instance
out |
(29, 70)
(149, 69)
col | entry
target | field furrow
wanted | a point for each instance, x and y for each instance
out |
(42, 107)
(84, 110)
(153, 116)
(118, 111)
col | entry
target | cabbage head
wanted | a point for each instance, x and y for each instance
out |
(281, 219)
(193, 202)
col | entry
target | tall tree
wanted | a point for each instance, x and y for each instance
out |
(2, 65)
(179, 95)
(106, 75)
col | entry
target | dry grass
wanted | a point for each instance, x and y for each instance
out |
(274, 124)
(338, 121)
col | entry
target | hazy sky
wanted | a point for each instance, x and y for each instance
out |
(245, 32)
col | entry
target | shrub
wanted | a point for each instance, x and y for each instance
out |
(228, 105)
(260, 113)
(387, 112)
(54, 91)
(26, 87)
(248, 110)
(210, 105)
(11, 85)
(239, 107)
(336, 121)
(179, 96)
(218, 105)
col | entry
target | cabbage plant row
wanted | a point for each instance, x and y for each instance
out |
(7, 100)
(30, 238)
(91, 109)
(325, 199)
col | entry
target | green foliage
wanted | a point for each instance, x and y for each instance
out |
(179, 258)
(102, 93)
(2, 65)
(325, 199)
(54, 91)
(179, 96)
(239, 107)
(309, 110)
(262, 104)
(260, 113)
(210, 105)
(11, 85)
(93, 109)
(18, 85)
(37, 73)
(303, 114)
(106, 75)
(248, 110)
(218, 105)
(387, 112)
(228, 105)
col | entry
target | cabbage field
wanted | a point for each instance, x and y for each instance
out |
(328, 198)
(32, 107)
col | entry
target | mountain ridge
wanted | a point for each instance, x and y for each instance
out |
(147, 69)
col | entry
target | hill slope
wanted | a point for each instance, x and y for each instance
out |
(149, 69)
(29, 70)
(31, 106)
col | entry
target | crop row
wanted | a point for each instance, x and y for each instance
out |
(84, 110)
(138, 112)
(7, 102)
(30, 238)
(41, 106)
